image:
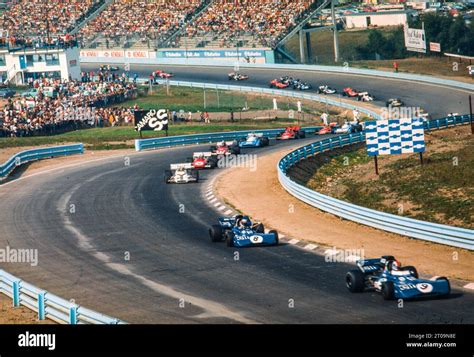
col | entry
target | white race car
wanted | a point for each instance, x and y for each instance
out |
(181, 173)
(365, 97)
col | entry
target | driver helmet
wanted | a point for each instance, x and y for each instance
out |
(244, 222)
(393, 265)
(221, 143)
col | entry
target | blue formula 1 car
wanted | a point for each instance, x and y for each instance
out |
(254, 140)
(385, 275)
(239, 231)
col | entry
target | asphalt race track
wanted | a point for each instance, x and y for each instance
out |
(437, 100)
(118, 240)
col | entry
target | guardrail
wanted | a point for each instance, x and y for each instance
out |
(313, 68)
(433, 232)
(48, 305)
(37, 154)
(170, 141)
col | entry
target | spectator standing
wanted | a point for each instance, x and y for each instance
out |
(324, 118)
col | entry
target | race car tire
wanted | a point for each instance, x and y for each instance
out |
(260, 228)
(213, 162)
(412, 269)
(213, 148)
(447, 280)
(195, 174)
(229, 239)
(388, 290)
(215, 233)
(301, 134)
(167, 176)
(277, 239)
(235, 150)
(265, 142)
(355, 281)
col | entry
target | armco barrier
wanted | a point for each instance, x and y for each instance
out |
(169, 141)
(444, 234)
(49, 306)
(38, 154)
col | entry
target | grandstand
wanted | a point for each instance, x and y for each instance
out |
(154, 24)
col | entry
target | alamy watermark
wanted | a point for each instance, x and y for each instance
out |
(335, 255)
(19, 256)
(245, 161)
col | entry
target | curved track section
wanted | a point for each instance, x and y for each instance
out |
(439, 101)
(118, 240)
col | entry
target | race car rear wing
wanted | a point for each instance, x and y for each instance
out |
(181, 166)
(204, 154)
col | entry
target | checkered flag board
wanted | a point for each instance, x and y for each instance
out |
(394, 136)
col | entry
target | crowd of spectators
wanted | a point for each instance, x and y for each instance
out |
(147, 21)
(60, 106)
(266, 20)
(35, 22)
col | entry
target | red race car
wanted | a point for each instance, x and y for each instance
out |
(350, 92)
(204, 160)
(163, 75)
(279, 83)
(292, 132)
(327, 129)
(224, 148)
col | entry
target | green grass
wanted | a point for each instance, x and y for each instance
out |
(120, 137)
(194, 100)
(322, 44)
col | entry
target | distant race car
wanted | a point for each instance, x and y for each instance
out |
(350, 92)
(239, 231)
(394, 102)
(204, 160)
(280, 83)
(163, 75)
(235, 76)
(385, 275)
(292, 132)
(328, 129)
(300, 85)
(181, 173)
(254, 140)
(326, 90)
(224, 148)
(365, 97)
(347, 128)
(361, 96)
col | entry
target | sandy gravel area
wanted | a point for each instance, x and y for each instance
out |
(20, 315)
(268, 202)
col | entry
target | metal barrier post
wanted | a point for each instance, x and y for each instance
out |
(41, 306)
(73, 314)
(16, 293)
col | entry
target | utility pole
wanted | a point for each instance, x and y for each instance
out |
(336, 39)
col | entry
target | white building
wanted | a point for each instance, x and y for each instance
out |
(376, 19)
(16, 66)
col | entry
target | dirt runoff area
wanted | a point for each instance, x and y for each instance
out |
(19, 315)
(269, 203)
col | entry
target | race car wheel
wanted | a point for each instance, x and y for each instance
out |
(260, 228)
(215, 233)
(235, 150)
(446, 279)
(277, 239)
(411, 269)
(265, 142)
(388, 291)
(168, 175)
(229, 239)
(302, 134)
(355, 281)
(213, 162)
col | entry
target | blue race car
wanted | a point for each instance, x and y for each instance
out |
(239, 231)
(254, 140)
(385, 275)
